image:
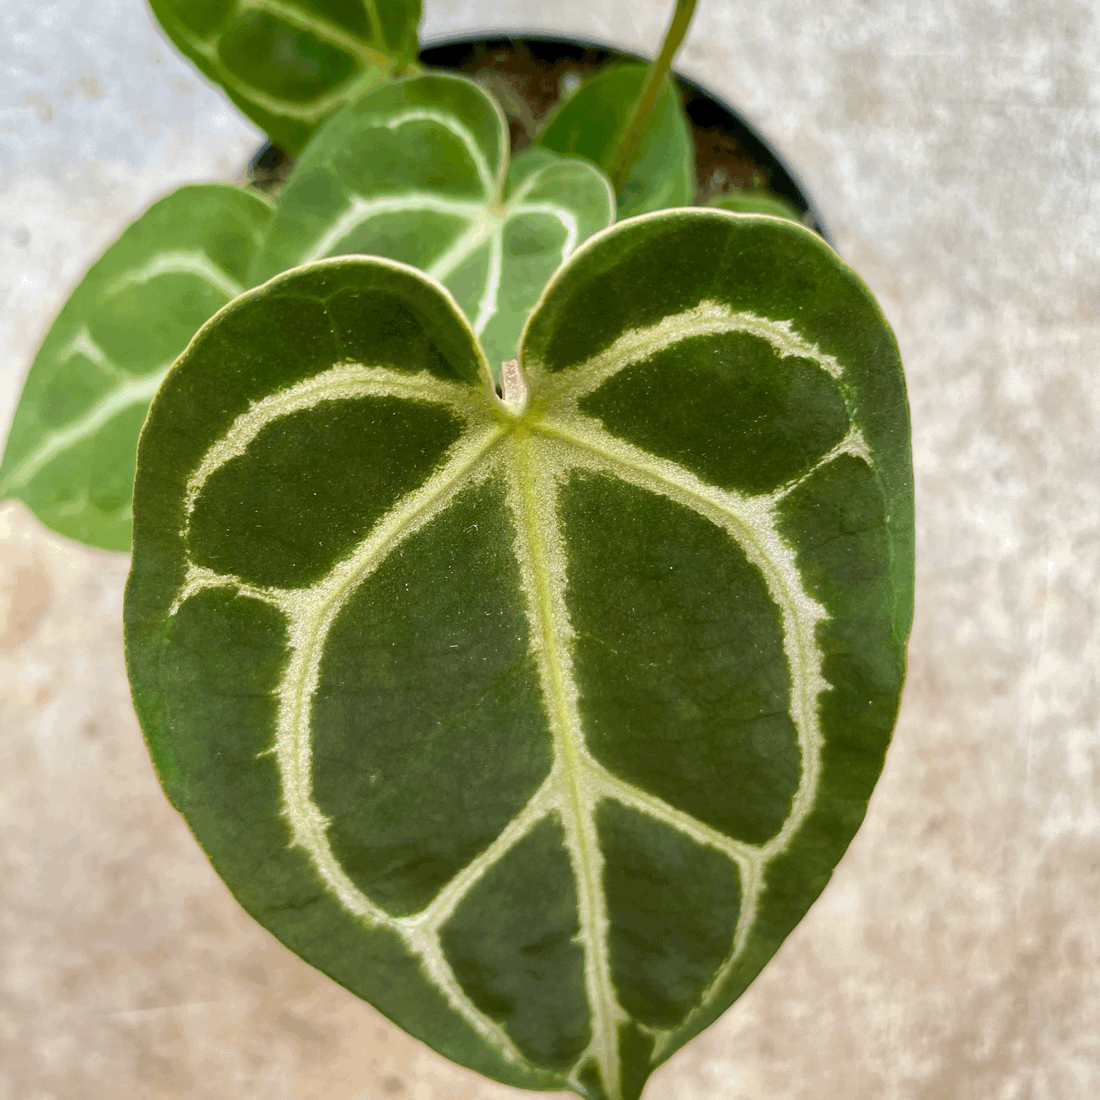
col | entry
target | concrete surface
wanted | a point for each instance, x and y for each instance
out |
(953, 147)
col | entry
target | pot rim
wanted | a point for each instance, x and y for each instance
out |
(783, 180)
(758, 146)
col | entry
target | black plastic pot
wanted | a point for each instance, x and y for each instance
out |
(723, 136)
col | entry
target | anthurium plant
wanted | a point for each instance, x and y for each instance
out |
(522, 557)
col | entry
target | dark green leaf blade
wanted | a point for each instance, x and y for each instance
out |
(288, 64)
(733, 367)
(559, 725)
(417, 171)
(241, 643)
(591, 123)
(70, 453)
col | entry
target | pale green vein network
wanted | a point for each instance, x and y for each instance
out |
(315, 23)
(361, 210)
(749, 520)
(126, 395)
(311, 112)
(533, 459)
(708, 318)
(486, 223)
(487, 304)
(345, 381)
(83, 344)
(130, 390)
(485, 175)
(310, 614)
(180, 262)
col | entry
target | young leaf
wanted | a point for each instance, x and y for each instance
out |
(590, 123)
(417, 171)
(538, 721)
(288, 64)
(70, 452)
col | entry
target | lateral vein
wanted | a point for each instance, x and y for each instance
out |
(439, 910)
(565, 388)
(361, 210)
(309, 112)
(611, 786)
(181, 262)
(344, 381)
(134, 391)
(324, 29)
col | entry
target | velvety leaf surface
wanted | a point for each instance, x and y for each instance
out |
(288, 64)
(70, 453)
(418, 171)
(591, 122)
(545, 738)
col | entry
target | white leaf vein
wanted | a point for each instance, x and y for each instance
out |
(345, 381)
(310, 613)
(709, 318)
(533, 463)
(180, 262)
(532, 498)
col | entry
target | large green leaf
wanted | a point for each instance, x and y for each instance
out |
(537, 720)
(70, 452)
(592, 121)
(288, 64)
(417, 171)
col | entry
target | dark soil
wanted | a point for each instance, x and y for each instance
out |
(529, 75)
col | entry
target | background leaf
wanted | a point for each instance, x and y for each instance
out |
(591, 122)
(288, 64)
(70, 453)
(417, 171)
(539, 731)
(753, 202)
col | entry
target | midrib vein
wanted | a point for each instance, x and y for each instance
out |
(537, 533)
(487, 306)
(483, 226)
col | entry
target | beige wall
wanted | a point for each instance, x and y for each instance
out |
(953, 146)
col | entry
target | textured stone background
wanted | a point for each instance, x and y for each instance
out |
(953, 148)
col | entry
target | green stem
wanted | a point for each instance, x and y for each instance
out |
(627, 151)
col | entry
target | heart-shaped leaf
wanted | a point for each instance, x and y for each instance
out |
(592, 121)
(70, 453)
(539, 719)
(288, 64)
(417, 171)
